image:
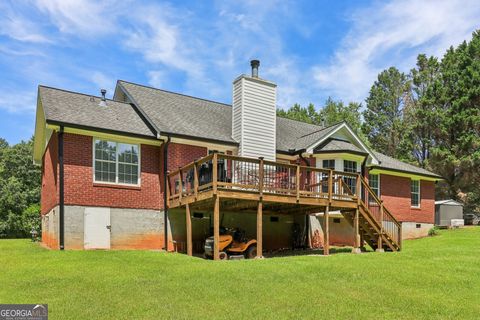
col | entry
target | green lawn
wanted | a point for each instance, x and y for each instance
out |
(433, 278)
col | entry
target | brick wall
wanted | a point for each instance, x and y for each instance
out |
(182, 154)
(49, 191)
(395, 192)
(81, 190)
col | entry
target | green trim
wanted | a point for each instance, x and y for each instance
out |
(402, 173)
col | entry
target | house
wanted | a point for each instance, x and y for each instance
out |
(151, 169)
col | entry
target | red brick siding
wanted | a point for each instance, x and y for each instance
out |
(80, 189)
(49, 192)
(395, 192)
(182, 154)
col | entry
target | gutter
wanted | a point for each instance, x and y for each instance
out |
(61, 190)
(165, 178)
(407, 172)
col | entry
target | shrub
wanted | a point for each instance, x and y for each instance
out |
(432, 232)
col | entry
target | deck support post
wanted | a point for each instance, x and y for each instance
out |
(356, 227)
(326, 232)
(188, 224)
(216, 227)
(380, 240)
(260, 229)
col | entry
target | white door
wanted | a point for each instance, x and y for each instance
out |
(97, 228)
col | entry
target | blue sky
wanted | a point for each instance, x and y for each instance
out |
(312, 50)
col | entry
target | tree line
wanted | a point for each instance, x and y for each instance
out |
(429, 116)
(20, 182)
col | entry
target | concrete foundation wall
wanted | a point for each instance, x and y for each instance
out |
(412, 230)
(341, 232)
(50, 228)
(130, 228)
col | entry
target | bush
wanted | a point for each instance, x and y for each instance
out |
(432, 232)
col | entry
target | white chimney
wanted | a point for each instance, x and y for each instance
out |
(254, 115)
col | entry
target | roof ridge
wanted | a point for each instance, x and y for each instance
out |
(176, 93)
(323, 128)
(80, 93)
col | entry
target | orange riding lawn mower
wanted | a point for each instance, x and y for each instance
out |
(232, 244)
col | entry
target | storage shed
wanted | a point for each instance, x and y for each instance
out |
(446, 210)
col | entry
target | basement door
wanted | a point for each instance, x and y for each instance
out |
(96, 228)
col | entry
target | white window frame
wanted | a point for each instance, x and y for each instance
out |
(419, 194)
(378, 182)
(116, 183)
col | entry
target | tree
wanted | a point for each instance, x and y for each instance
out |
(456, 154)
(383, 116)
(19, 189)
(297, 112)
(336, 111)
(421, 112)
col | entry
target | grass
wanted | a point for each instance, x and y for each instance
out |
(433, 278)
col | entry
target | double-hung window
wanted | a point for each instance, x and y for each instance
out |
(415, 193)
(327, 164)
(374, 183)
(350, 166)
(116, 162)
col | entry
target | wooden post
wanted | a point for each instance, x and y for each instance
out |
(195, 179)
(359, 188)
(356, 227)
(260, 229)
(330, 185)
(326, 232)
(188, 223)
(380, 241)
(260, 177)
(400, 236)
(215, 172)
(180, 185)
(297, 177)
(216, 227)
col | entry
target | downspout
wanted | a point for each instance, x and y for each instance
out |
(165, 183)
(61, 191)
(307, 217)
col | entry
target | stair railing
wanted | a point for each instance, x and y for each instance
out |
(387, 222)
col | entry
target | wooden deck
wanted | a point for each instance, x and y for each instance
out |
(244, 184)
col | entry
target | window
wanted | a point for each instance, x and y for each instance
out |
(374, 183)
(349, 166)
(415, 193)
(116, 162)
(328, 164)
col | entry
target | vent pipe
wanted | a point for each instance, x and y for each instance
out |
(255, 64)
(103, 102)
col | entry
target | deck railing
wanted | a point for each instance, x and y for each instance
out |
(228, 172)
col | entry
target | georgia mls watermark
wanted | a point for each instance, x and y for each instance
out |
(23, 311)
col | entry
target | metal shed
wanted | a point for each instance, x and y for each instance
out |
(446, 210)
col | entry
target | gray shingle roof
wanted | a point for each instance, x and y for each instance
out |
(394, 164)
(334, 145)
(67, 107)
(184, 115)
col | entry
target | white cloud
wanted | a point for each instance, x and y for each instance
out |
(82, 17)
(14, 101)
(18, 27)
(393, 34)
